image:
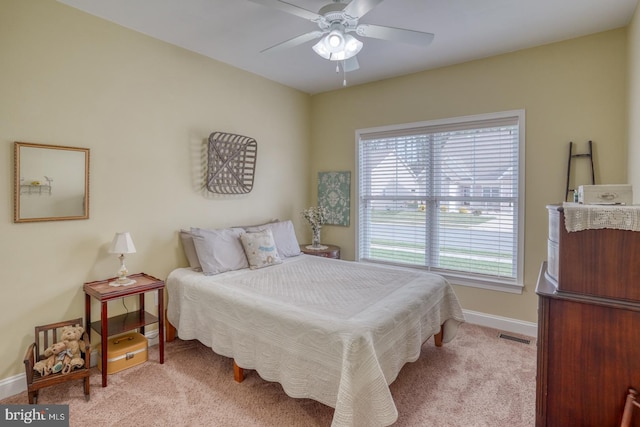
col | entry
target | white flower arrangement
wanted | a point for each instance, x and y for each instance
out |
(316, 216)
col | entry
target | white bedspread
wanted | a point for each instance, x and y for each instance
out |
(334, 331)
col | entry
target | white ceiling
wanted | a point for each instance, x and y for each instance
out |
(235, 31)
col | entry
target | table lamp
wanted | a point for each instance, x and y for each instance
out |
(122, 244)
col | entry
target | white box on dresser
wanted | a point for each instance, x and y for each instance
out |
(621, 194)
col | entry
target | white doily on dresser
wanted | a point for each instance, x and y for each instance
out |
(578, 217)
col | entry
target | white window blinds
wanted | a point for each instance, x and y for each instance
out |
(443, 195)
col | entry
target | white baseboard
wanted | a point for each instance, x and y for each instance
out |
(12, 386)
(17, 384)
(506, 324)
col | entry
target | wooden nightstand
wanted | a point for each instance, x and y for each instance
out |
(108, 326)
(332, 251)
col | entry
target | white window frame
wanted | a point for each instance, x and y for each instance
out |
(511, 286)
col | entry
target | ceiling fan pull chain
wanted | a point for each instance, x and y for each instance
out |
(344, 75)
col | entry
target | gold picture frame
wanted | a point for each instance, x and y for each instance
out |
(51, 182)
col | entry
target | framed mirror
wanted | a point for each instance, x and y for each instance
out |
(51, 182)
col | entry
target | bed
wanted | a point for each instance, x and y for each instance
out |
(331, 330)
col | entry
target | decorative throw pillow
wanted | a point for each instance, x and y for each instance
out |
(190, 250)
(260, 249)
(284, 235)
(219, 250)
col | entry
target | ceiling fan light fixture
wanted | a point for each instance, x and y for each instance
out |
(321, 49)
(337, 46)
(335, 40)
(352, 45)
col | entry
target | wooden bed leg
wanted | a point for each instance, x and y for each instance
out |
(170, 329)
(437, 338)
(238, 372)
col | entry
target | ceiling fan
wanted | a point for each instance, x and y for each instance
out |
(335, 21)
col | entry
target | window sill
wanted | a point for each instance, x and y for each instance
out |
(474, 282)
(493, 284)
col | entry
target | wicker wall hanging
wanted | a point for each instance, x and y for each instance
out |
(231, 163)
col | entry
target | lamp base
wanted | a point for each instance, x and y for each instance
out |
(123, 281)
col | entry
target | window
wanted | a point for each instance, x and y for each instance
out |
(445, 195)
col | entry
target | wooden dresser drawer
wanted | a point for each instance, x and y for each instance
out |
(599, 262)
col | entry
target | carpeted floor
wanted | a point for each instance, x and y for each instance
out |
(477, 380)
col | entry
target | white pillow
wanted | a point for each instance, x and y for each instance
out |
(219, 250)
(190, 250)
(260, 249)
(284, 235)
(244, 227)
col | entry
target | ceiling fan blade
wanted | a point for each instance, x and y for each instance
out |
(358, 8)
(289, 8)
(350, 64)
(298, 40)
(394, 34)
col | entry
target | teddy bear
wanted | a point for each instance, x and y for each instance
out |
(62, 356)
(54, 359)
(71, 336)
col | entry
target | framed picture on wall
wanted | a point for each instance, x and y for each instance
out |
(334, 195)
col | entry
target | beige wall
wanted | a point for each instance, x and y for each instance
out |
(145, 109)
(634, 105)
(571, 91)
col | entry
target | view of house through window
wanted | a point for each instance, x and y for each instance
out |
(444, 195)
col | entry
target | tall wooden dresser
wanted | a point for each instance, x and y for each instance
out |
(588, 325)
